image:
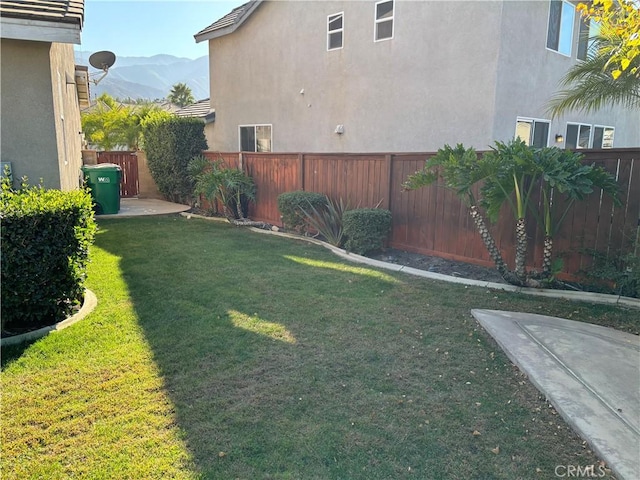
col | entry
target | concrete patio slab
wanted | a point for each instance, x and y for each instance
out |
(135, 207)
(590, 374)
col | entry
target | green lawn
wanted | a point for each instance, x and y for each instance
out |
(220, 353)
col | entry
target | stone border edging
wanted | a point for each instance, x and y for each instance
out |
(90, 302)
(601, 298)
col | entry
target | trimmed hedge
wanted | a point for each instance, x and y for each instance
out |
(46, 235)
(291, 205)
(170, 144)
(366, 229)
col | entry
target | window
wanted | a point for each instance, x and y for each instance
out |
(335, 29)
(533, 132)
(585, 37)
(602, 137)
(255, 138)
(384, 20)
(578, 136)
(560, 29)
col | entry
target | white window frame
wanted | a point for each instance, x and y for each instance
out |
(579, 125)
(603, 128)
(338, 30)
(255, 136)
(533, 121)
(376, 21)
(573, 27)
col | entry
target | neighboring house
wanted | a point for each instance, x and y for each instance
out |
(42, 90)
(401, 76)
(201, 109)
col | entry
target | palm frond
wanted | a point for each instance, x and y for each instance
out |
(590, 85)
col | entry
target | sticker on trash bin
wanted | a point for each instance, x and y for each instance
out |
(104, 180)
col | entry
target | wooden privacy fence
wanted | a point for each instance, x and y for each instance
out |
(432, 220)
(128, 162)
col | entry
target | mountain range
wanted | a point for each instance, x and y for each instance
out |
(149, 77)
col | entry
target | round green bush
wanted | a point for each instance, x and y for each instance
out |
(291, 205)
(45, 238)
(366, 229)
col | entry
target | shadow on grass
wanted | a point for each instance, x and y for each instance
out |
(251, 345)
(282, 362)
(11, 353)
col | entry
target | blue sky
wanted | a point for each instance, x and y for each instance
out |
(146, 28)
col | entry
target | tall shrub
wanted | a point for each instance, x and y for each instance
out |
(45, 237)
(170, 144)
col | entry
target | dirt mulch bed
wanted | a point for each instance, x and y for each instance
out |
(439, 265)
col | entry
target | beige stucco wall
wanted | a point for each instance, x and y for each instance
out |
(147, 187)
(40, 115)
(28, 127)
(66, 115)
(529, 74)
(427, 86)
(454, 72)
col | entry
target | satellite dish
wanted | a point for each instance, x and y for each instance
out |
(102, 61)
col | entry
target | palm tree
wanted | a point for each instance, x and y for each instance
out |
(228, 186)
(511, 173)
(562, 173)
(592, 84)
(513, 182)
(521, 170)
(460, 169)
(181, 95)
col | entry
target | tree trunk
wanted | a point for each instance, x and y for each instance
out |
(491, 246)
(521, 250)
(239, 208)
(546, 256)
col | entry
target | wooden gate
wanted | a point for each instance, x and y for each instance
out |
(128, 162)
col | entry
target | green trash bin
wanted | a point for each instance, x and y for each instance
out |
(104, 182)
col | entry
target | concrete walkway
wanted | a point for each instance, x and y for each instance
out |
(135, 207)
(590, 374)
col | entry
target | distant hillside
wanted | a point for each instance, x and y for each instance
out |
(150, 77)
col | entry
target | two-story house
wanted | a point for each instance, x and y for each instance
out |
(396, 75)
(42, 90)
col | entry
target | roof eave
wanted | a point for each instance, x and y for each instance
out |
(40, 31)
(202, 37)
(216, 33)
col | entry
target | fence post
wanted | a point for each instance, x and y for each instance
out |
(386, 202)
(240, 161)
(301, 171)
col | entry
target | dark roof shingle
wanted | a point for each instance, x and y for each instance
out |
(229, 22)
(199, 109)
(64, 11)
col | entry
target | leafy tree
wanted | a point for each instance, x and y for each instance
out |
(611, 73)
(181, 95)
(111, 123)
(623, 18)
